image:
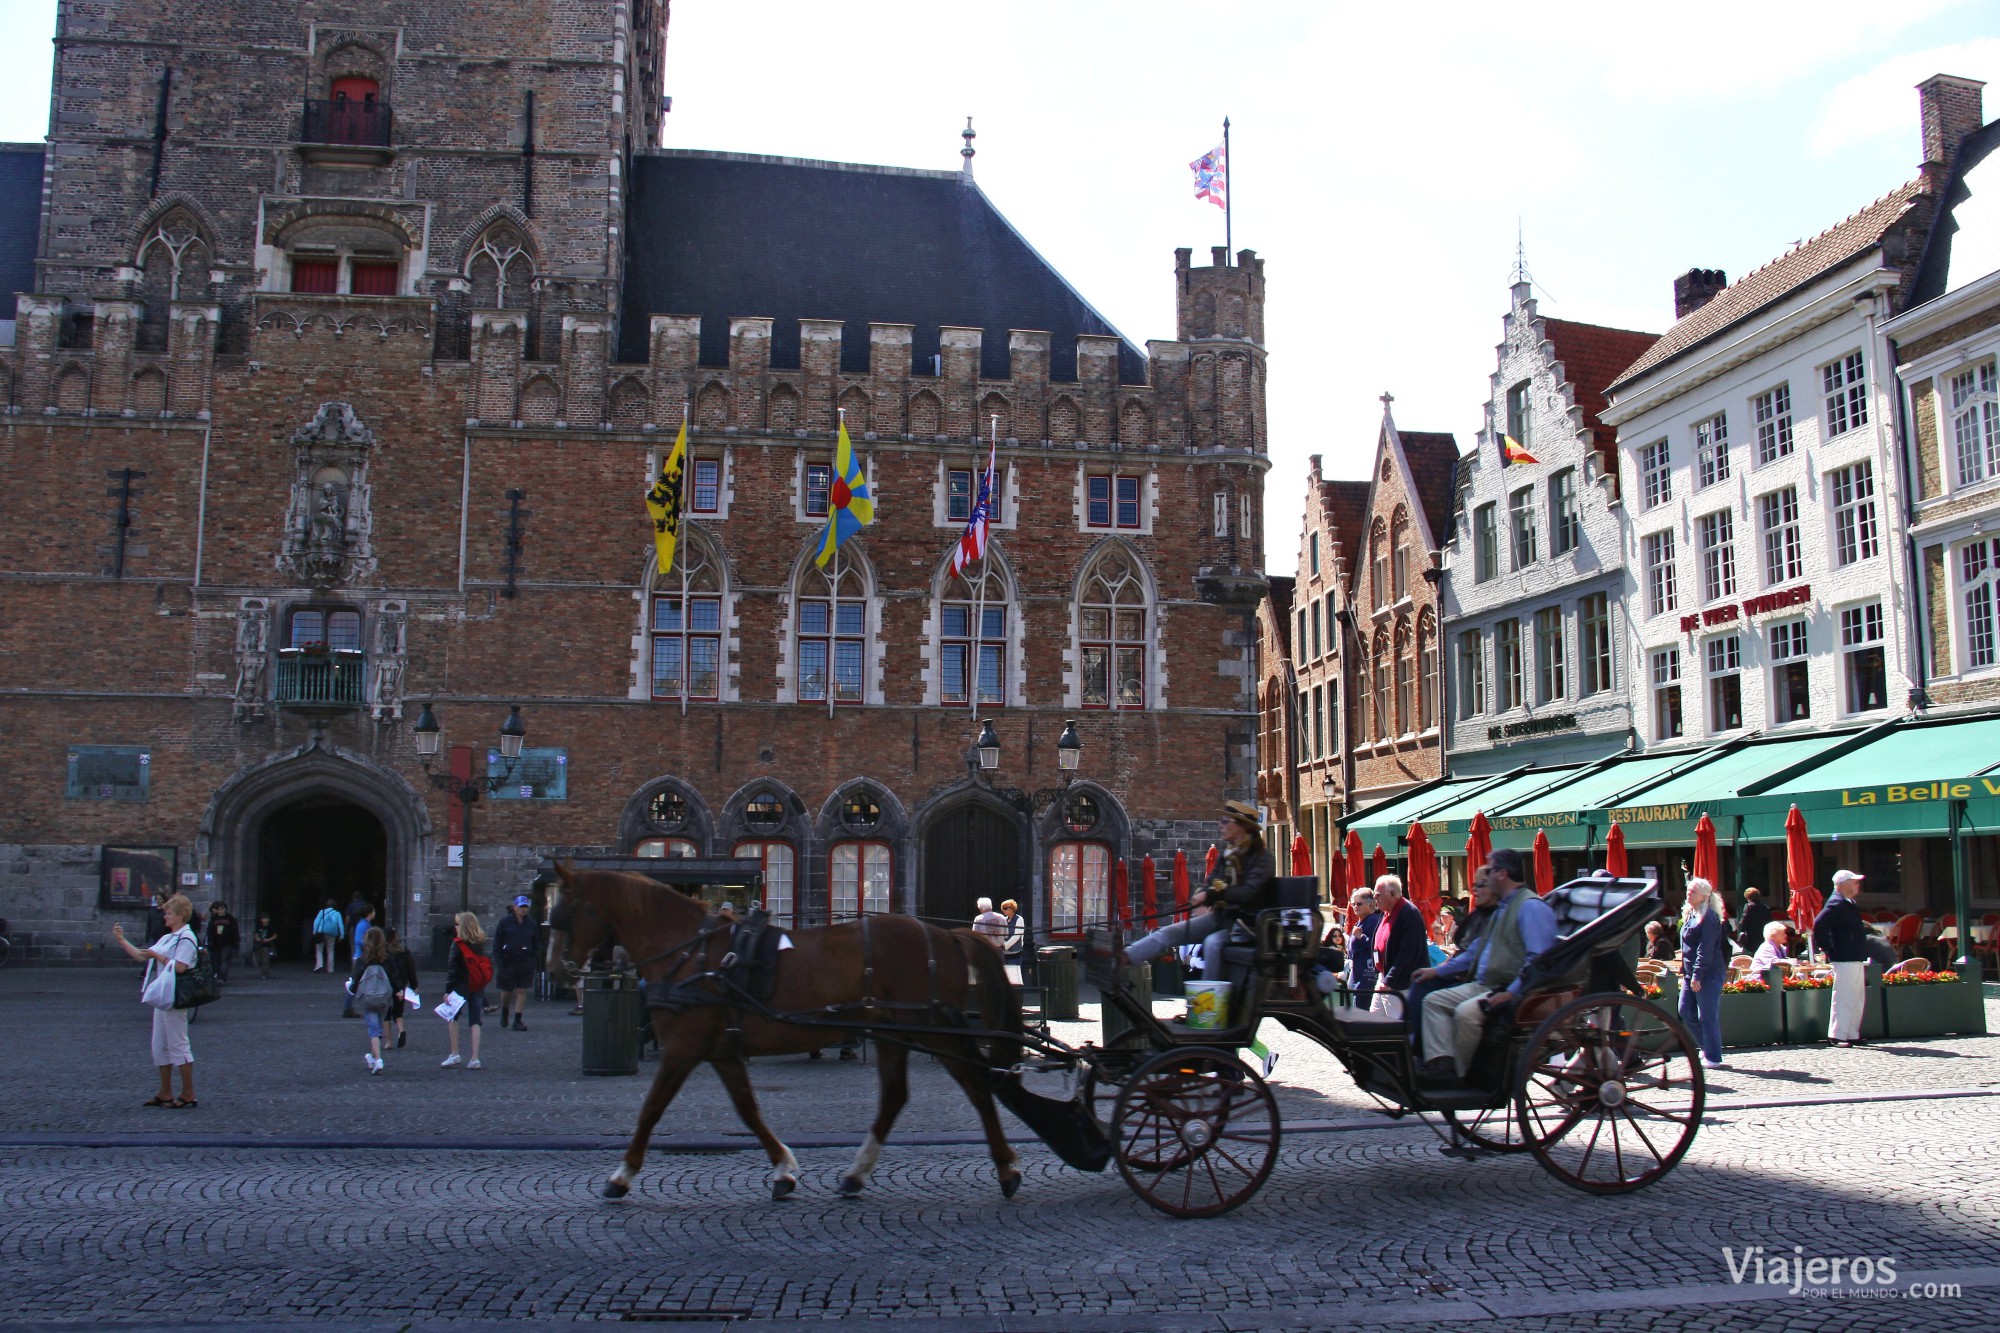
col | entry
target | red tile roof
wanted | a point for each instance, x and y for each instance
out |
(1346, 506)
(1782, 276)
(1433, 459)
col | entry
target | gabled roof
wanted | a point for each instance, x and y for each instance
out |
(1962, 248)
(20, 220)
(1592, 356)
(727, 235)
(1781, 277)
(1281, 611)
(1433, 460)
(1346, 506)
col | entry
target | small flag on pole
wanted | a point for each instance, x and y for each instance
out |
(1211, 176)
(663, 501)
(1513, 451)
(972, 545)
(851, 506)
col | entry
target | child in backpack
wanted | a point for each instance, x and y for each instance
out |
(372, 990)
(403, 976)
(469, 974)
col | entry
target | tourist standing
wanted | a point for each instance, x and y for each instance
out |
(1750, 935)
(514, 941)
(1839, 933)
(225, 939)
(468, 975)
(370, 987)
(362, 925)
(176, 951)
(1015, 943)
(1704, 967)
(263, 945)
(328, 928)
(990, 925)
(403, 975)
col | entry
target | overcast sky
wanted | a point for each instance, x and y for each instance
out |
(1383, 154)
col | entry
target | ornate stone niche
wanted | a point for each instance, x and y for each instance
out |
(253, 657)
(329, 526)
(386, 664)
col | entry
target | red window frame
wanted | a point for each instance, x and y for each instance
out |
(864, 847)
(1112, 500)
(1083, 898)
(761, 849)
(705, 486)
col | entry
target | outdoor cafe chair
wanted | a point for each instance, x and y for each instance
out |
(1910, 966)
(1903, 936)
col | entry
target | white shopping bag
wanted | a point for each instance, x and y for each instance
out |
(448, 1010)
(411, 998)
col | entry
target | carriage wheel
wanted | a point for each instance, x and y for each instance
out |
(1196, 1132)
(1494, 1128)
(1610, 1093)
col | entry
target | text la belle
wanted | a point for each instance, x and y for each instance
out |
(1921, 791)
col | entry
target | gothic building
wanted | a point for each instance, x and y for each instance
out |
(349, 345)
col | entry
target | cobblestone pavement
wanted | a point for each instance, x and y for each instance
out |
(1358, 1229)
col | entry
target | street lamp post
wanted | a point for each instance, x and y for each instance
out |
(469, 790)
(1069, 754)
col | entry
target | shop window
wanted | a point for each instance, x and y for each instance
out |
(780, 863)
(860, 874)
(666, 847)
(1079, 886)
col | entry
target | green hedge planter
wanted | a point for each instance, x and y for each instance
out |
(1808, 1013)
(1937, 1009)
(1753, 1019)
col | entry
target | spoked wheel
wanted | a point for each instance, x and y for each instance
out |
(1196, 1132)
(1496, 1128)
(1611, 1093)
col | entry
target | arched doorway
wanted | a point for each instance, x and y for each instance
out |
(316, 849)
(970, 852)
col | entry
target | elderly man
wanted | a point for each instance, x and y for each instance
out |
(1400, 947)
(1520, 928)
(1840, 934)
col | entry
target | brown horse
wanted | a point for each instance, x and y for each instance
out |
(887, 969)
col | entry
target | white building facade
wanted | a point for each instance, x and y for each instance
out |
(1534, 573)
(1762, 493)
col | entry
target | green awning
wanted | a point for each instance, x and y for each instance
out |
(1448, 822)
(1900, 784)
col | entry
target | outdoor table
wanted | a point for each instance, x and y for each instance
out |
(1980, 934)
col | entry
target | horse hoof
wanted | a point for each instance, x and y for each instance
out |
(1010, 1185)
(782, 1189)
(616, 1189)
(851, 1187)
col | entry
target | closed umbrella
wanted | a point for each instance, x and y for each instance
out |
(1545, 863)
(1798, 853)
(1180, 883)
(1121, 893)
(1357, 867)
(1707, 861)
(1479, 846)
(1302, 857)
(1208, 866)
(1336, 879)
(1614, 852)
(1149, 890)
(1381, 861)
(1424, 875)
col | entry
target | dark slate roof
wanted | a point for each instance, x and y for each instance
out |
(1781, 277)
(1281, 611)
(1934, 275)
(726, 235)
(1433, 459)
(20, 220)
(1346, 506)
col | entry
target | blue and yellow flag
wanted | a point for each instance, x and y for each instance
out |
(663, 502)
(851, 506)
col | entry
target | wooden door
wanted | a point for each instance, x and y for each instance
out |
(970, 853)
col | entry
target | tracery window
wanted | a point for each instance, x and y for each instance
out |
(860, 877)
(832, 630)
(685, 623)
(973, 619)
(1112, 611)
(500, 268)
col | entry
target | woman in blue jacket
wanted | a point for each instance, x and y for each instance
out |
(1704, 967)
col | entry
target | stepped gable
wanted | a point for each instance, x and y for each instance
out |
(1346, 506)
(729, 235)
(1591, 357)
(1935, 274)
(1780, 277)
(20, 220)
(1433, 460)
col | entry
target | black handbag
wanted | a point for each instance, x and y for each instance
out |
(196, 986)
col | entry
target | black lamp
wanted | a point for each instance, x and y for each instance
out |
(1069, 749)
(989, 747)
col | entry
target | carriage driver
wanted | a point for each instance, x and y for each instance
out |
(1241, 887)
(1521, 927)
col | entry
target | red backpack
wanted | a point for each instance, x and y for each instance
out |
(478, 968)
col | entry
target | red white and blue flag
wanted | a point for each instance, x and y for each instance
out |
(972, 544)
(1211, 176)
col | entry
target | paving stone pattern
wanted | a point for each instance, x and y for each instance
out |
(1354, 1229)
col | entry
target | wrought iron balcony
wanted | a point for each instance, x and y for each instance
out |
(346, 122)
(314, 679)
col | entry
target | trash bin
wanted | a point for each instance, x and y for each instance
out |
(610, 1023)
(1056, 966)
(1139, 981)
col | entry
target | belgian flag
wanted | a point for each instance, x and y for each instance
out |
(1513, 451)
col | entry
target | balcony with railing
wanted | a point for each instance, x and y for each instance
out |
(342, 129)
(308, 678)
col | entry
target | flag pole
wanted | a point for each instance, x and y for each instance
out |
(979, 590)
(687, 651)
(833, 602)
(1228, 192)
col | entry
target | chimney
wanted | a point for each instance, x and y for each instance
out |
(1951, 109)
(1696, 288)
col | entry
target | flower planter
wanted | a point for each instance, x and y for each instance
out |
(1753, 1018)
(1935, 1009)
(1808, 1015)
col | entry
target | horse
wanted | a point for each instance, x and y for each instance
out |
(885, 969)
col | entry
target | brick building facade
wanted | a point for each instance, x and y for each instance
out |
(336, 394)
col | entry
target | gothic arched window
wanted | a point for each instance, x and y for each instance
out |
(501, 270)
(830, 624)
(974, 624)
(173, 263)
(685, 622)
(1112, 614)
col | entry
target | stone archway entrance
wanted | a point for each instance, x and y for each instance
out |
(286, 834)
(970, 852)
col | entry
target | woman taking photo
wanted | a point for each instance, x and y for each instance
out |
(176, 952)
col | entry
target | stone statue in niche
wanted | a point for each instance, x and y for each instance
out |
(253, 635)
(329, 524)
(386, 663)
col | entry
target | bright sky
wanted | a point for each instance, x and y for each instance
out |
(1383, 154)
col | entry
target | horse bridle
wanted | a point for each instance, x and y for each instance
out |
(679, 953)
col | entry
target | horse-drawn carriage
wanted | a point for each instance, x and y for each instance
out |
(1601, 1085)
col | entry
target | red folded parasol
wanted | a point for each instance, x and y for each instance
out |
(1121, 892)
(1149, 890)
(1479, 846)
(1614, 852)
(1302, 857)
(1336, 880)
(1180, 883)
(1208, 866)
(1357, 867)
(1381, 861)
(1798, 853)
(1707, 861)
(1545, 863)
(1424, 885)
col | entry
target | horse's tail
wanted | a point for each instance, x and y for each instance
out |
(999, 1002)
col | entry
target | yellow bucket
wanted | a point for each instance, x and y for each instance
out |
(1208, 1003)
